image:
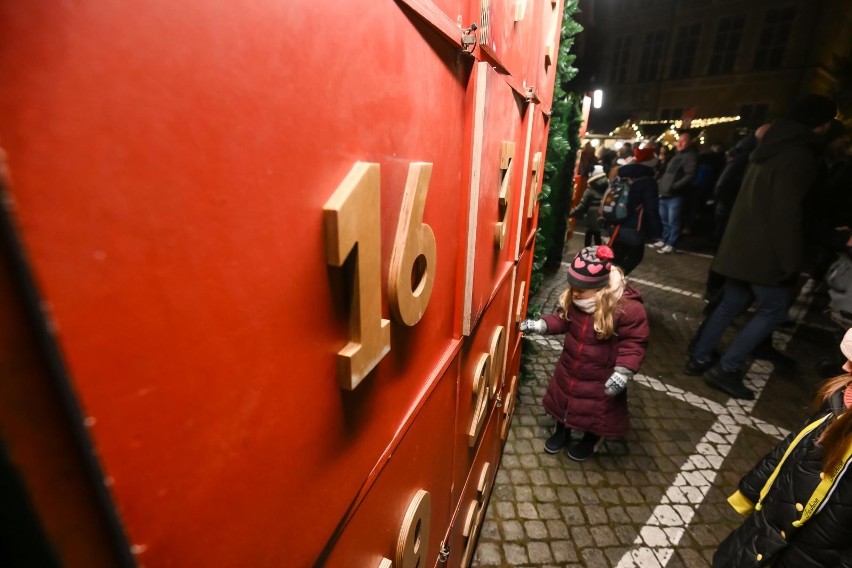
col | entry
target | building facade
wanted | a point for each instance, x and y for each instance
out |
(663, 59)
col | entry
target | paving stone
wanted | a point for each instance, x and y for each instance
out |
(548, 511)
(582, 537)
(505, 509)
(488, 554)
(603, 536)
(527, 511)
(512, 530)
(538, 477)
(489, 530)
(515, 554)
(539, 552)
(545, 494)
(523, 493)
(535, 530)
(573, 515)
(596, 514)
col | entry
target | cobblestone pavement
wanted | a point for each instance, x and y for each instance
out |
(658, 497)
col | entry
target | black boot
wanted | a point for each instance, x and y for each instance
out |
(558, 440)
(585, 448)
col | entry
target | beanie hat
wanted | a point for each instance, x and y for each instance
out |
(645, 156)
(591, 268)
(813, 110)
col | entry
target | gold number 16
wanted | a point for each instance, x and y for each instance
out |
(351, 219)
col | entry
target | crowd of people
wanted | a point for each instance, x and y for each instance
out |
(780, 194)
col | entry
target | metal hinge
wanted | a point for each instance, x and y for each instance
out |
(468, 39)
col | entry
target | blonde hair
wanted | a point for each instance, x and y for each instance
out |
(606, 302)
(835, 438)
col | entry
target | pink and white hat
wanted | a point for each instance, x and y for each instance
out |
(591, 268)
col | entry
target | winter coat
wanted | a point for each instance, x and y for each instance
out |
(575, 395)
(763, 241)
(643, 224)
(729, 182)
(677, 178)
(590, 203)
(768, 536)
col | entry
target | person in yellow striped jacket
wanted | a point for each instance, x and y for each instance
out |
(798, 498)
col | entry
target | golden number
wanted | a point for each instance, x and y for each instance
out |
(519, 306)
(496, 351)
(412, 268)
(508, 407)
(507, 152)
(520, 9)
(473, 520)
(536, 167)
(480, 388)
(351, 219)
(413, 544)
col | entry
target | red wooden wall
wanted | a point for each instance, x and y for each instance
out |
(219, 205)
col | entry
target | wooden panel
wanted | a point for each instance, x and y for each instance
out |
(170, 191)
(481, 378)
(474, 493)
(260, 257)
(420, 462)
(497, 147)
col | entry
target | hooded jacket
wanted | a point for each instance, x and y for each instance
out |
(763, 241)
(643, 224)
(590, 203)
(575, 395)
(768, 535)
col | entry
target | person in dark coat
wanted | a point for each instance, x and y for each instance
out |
(589, 205)
(643, 223)
(674, 184)
(761, 253)
(606, 333)
(798, 498)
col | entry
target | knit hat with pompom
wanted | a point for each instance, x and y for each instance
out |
(591, 268)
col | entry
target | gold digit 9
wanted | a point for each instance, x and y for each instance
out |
(486, 382)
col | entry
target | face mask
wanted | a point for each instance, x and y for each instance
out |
(585, 305)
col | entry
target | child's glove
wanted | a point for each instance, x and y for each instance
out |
(617, 382)
(533, 326)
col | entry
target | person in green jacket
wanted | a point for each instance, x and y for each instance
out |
(761, 252)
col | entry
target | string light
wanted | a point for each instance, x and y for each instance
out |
(695, 122)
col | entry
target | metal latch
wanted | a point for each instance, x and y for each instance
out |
(468, 39)
(444, 554)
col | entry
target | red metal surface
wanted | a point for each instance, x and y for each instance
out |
(36, 437)
(421, 461)
(170, 166)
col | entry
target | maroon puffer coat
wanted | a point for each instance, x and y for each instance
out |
(576, 392)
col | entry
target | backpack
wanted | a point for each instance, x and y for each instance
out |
(614, 203)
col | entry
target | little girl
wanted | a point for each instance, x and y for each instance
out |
(606, 332)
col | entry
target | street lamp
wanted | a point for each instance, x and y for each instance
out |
(597, 98)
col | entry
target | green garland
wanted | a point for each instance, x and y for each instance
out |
(562, 145)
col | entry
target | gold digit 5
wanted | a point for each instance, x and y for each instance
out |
(536, 166)
(412, 268)
(351, 219)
